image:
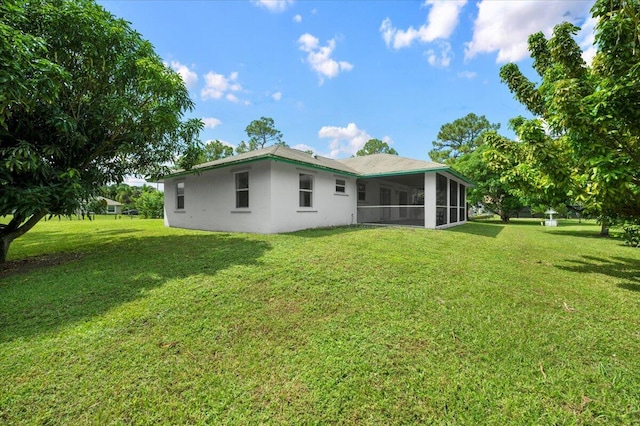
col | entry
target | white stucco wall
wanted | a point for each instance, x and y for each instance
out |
(210, 200)
(329, 207)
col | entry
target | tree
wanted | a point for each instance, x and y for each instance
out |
(24, 70)
(260, 132)
(460, 137)
(376, 146)
(215, 150)
(594, 111)
(151, 204)
(538, 170)
(490, 189)
(113, 110)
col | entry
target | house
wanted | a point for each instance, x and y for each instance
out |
(113, 207)
(280, 189)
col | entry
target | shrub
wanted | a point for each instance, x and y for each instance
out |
(151, 205)
(632, 234)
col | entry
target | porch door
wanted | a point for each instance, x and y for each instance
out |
(403, 200)
(385, 200)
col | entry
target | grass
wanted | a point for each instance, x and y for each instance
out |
(129, 322)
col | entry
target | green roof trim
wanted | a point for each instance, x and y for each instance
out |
(413, 172)
(198, 170)
(385, 165)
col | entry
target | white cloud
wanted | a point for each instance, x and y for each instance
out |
(189, 77)
(344, 141)
(297, 18)
(505, 26)
(274, 5)
(587, 39)
(277, 96)
(211, 123)
(441, 22)
(319, 57)
(218, 86)
(441, 58)
(467, 74)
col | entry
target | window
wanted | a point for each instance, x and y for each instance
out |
(362, 192)
(111, 209)
(341, 185)
(306, 190)
(242, 190)
(180, 195)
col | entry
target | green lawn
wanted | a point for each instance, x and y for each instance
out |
(128, 322)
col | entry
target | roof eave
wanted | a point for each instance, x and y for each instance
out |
(416, 171)
(197, 170)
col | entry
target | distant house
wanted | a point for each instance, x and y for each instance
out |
(279, 189)
(113, 207)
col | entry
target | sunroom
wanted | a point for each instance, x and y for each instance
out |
(409, 192)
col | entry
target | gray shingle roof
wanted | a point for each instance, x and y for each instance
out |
(365, 166)
(387, 164)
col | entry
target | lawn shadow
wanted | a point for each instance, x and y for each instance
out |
(625, 269)
(75, 289)
(484, 228)
(328, 231)
(581, 233)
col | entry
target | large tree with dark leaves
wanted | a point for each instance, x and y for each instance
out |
(84, 101)
(593, 111)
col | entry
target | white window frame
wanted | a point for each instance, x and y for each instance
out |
(180, 195)
(363, 192)
(238, 190)
(305, 190)
(341, 186)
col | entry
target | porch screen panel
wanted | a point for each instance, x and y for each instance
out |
(453, 201)
(441, 199)
(463, 204)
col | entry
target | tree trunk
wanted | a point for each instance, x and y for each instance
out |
(16, 228)
(6, 242)
(604, 229)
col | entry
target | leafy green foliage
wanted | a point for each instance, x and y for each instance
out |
(632, 234)
(151, 204)
(261, 133)
(591, 113)
(459, 137)
(84, 101)
(97, 206)
(215, 150)
(491, 190)
(376, 146)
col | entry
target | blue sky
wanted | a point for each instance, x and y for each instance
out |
(333, 74)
